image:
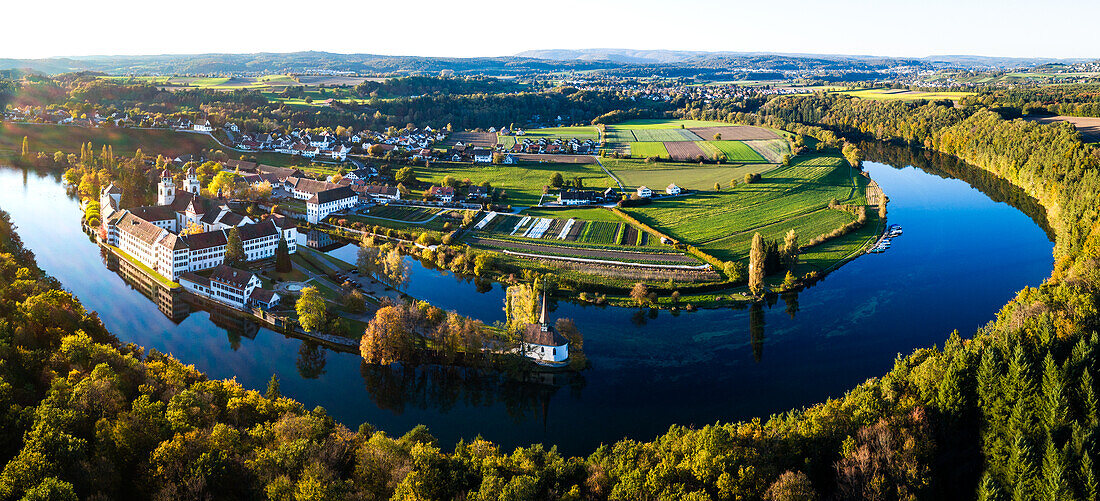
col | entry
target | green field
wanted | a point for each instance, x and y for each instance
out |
(522, 182)
(586, 214)
(648, 149)
(736, 151)
(784, 193)
(771, 149)
(583, 132)
(692, 178)
(50, 138)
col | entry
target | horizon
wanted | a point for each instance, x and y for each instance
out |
(552, 49)
(479, 28)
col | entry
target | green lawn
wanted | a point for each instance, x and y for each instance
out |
(783, 193)
(523, 182)
(736, 151)
(648, 149)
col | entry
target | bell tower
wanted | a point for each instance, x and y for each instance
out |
(166, 190)
(191, 185)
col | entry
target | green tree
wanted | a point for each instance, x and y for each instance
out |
(790, 249)
(556, 180)
(312, 309)
(234, 249)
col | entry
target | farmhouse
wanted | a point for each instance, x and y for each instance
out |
(578, 197)
(543, 343)
(328, 201)
(644, 192)
(482, 155)
(478, 193)
(202, 125)
(672, 189)
(442, 193)
(381, 193)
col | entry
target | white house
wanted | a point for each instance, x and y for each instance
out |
(328, 201)
(225, 285)
(672, 189)
(202, 126)
(644, 192)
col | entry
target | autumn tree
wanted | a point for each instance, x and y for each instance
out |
(389, 336)
(640, 294)
(312, 310)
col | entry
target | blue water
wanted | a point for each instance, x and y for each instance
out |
(962, 257)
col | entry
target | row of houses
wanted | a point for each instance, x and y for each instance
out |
(593, 197)
(232, 286)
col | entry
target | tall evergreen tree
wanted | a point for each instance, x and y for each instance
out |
(1055, 406)
(282, 257)
(234, 249)
(989, 490)
(1055, 486)
(1022, 469)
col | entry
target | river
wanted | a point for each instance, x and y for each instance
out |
(963, 255)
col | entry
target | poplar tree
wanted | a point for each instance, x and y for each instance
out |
(790, 249)
(756, 265)
(26, 150)
(282, 257)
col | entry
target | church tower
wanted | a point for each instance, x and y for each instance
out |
(166, 190)
(191, 185)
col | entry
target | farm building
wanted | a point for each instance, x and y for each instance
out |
(672, 189)
(578, 197)
(644, 192)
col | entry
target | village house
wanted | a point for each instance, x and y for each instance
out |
(478, 193)
(482, 155)
(442, 193)
(202, 125)
(644, 192)
(672, 189)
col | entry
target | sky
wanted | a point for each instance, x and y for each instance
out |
(466, 28)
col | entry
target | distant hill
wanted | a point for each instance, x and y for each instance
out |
(626, 62)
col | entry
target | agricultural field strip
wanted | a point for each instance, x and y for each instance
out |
(486, 220)
(520, 225)
(735, 132)
(611, 262)
(538, 228)
(737, 151)
(685, 150)
(648, 149)
(565, 231)
(619, 255)
(609, 242)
